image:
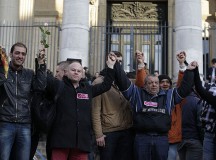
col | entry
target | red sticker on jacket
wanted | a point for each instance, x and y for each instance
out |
(151, 104)
(82, 96)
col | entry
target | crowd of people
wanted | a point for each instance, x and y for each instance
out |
(108, 116)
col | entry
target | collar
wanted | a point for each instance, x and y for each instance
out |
(15, 69)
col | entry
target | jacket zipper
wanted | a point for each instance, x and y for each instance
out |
(3, 103)
(16, 96)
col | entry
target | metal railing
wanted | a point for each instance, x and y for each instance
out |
(126, 37)
(30, 35)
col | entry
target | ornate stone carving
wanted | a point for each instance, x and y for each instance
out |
(140, 11)
(92, 2)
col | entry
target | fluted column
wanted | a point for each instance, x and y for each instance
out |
(75, 30)
(9, 11)
(188, 32)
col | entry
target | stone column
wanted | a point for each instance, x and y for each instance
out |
(9, 16)
(75, 30)
(9, 11)
(171, 22)
(188, 32)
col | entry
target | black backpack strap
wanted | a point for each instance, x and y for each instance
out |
(59, 91)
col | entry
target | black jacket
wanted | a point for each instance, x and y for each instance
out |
(72, 125)
(191, 124)
(204, 94)
(209, 74)
(15, 93)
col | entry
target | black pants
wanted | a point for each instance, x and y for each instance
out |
(118, 146)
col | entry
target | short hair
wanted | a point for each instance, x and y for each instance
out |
(147, 78)
(164, 76)
(117, 53)
(63, 64)
(131, 75)
(19, 44)
(213, 60)
(71, 60)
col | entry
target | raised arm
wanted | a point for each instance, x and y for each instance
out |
(187, 83)
(181, 57)
(3, 66)
(204, 94)
(40, 80)
(141, 72)
(109, 78)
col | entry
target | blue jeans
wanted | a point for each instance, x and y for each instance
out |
(190, 149)
(151, 147)
(118, 146)
(15, 135)
(209, 147)
(172, 153)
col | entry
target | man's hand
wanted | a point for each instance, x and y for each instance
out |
(192, 65)
(101, 141)
(139, 57)
(41, 57)
(111, 60)
(181, 57)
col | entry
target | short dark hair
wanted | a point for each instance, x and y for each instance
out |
(19, 44)
(71, 60)
(147, 78)
(63, 64)
(117, 53)
(213, 60)
(164, 76)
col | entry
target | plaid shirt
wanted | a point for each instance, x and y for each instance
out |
(208, 117)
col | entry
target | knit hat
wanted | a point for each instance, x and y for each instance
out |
(164, 76)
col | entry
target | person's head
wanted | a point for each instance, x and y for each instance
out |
(156, 73)
(118, 55)
(165, 82)
(138, 53)
(61, 69)
(86, 69)
(151, 84)
(213, 61)
(75, 72)
(96, 74)
(18, 54)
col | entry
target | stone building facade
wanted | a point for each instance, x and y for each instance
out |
(88, 29)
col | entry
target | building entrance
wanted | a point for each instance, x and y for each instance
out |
(132, 26)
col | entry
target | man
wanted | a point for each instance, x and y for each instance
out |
(165, 83)
(15, 94)
(208, 118)
(191, 145)
(87, 75)
(211, 74)
(152, 109)
(112, 122)
(71, 134)
(175, 132)
(61, 69)
(156, 73)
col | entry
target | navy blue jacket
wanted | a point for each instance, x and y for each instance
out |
(142, 101)
(191, 124)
